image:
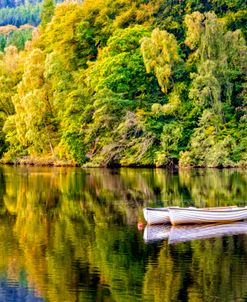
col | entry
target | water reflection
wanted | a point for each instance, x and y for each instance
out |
(70, 235)
(183, 233)
(17, 293)
(207, 270)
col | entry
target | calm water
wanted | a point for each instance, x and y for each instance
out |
(71, 235)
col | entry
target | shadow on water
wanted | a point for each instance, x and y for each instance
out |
(72, 234)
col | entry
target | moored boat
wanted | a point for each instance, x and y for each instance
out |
(156, 215)
(206, 215)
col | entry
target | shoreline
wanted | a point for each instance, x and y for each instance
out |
(51, 162)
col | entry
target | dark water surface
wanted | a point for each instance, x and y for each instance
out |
(71, 235)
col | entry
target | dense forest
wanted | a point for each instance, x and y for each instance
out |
(17, 21)
(127, 83)
(20, 12)
(16, 3)
(20, 15)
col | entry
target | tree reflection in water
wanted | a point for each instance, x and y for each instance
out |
(73, 232)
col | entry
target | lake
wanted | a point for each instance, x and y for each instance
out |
(70, 234)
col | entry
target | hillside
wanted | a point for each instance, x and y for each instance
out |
(17, 21)
(128, 83)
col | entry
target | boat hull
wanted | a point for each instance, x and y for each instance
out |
(217, 215)
(156, 215)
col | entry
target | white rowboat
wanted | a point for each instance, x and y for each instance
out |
(206, 215)
(156, 215)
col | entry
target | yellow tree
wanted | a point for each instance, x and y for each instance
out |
(60, 34)
(160, 54)
(9, 77)
(31, 125)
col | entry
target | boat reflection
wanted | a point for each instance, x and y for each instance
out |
(156, 232)
(183, 233)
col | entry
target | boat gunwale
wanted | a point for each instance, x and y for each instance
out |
(210, 210)
(157, 209)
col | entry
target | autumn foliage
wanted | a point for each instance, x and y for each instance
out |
(130, 83)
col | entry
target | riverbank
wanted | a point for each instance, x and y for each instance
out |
(50, 161)
(39, 161)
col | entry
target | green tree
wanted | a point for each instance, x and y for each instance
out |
(120, 66)
(221, 60)
(220, 57)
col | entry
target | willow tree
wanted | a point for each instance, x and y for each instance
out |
(160, 54)
(220, 59)
(32, 126)
(217, 89)
(61, 76)
(10, 75)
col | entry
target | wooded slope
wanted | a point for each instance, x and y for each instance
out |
(152, 83)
